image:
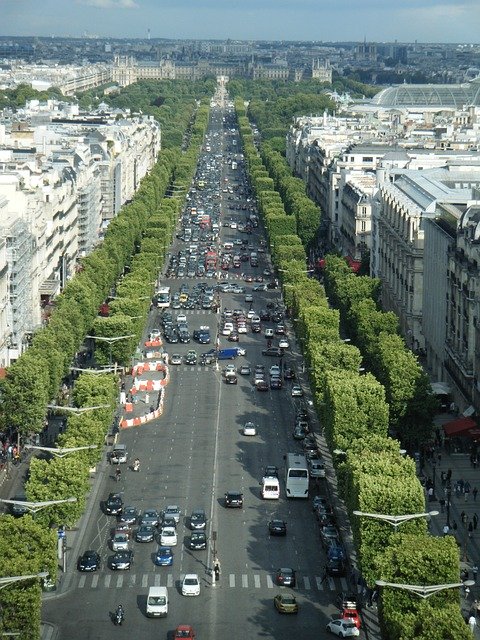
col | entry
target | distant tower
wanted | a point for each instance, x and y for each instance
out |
(148, 34)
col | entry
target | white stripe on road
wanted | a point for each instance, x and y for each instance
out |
(169, 580)
(133, 579)
(81, 582)
(245, 581)
(318, 580)
(344, 583)
(108, 577)
(94, 581)
(119, 582)
(144, 580)
(306, 582)
(157, 579)
(232, 580)
(331, 583)
(269, 581)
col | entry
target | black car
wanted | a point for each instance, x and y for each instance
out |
(274, 352)
(275, 382)
(329, 535)
(89, 561)
(145, 533)
(198, 540)
(198, 519)
(231, 379)
(289, 374)
(122, 560)
(336, 566)
(264, 315)
(270, 471)
(168, 521)
(285, 577)
(256, 328)
(277, 528)
(299, 433)
(114, 504)
(234, 499)
(129, 515)
(262, 385)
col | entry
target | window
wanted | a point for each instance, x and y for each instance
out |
(367, 159)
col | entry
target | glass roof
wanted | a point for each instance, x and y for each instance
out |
(430, 95)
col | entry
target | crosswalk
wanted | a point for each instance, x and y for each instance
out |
(230, 580)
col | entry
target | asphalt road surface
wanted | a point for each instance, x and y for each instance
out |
(190, 456)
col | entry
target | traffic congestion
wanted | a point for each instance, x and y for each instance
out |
(227, 521)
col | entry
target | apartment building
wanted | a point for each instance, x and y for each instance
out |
(63, 176)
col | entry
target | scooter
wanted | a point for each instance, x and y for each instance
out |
(119, 617)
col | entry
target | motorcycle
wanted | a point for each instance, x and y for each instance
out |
(119, 616)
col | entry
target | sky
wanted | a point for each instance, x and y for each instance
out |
(320, 20)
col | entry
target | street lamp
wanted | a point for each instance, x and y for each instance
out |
(60, 452)
(396, 521)
(4, 582)
(110, 341)
(35, 507)
(77, 410)
(425, 591)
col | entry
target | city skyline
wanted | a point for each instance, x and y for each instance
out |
(445, 21)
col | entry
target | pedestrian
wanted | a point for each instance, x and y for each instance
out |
(324, 577)
(475, 520)
(446, 529)
(454, 526)
(470, 529)
(466, 489)
(443, 478)
(474, 493)
(442, 505)
(458, 489)
(472, 623)
(449, 474)
(463, 517)
(439, 457)
(430, 494)
(475, 572)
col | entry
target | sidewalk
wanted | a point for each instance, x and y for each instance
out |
(460, 503)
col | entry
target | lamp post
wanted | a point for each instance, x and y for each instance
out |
(61, 452)
(35, 507)
(77, 410)
(5, 582)
(110, 341)
(396, 521)
(449, 498)
(425, 591)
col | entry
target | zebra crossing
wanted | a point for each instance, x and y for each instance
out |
(229, 580)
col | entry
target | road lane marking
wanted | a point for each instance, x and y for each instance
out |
(108, 577)
(94, 581)
(269, 581)
(232, 580)
(344, 583)
(81, 582)
(306, 582)
(144, 580)
(256, 580)
(157, 579)
(119, 582)
(169, 580)
(132, 581)
(331, 583)
(245, 581)
(319, 582)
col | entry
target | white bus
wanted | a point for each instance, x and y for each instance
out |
(296, 475)
(162, 296)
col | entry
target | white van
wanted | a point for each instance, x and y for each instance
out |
(270, 488)
(157, 602)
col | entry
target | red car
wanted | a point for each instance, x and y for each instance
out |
(349, 611)
(184, 631)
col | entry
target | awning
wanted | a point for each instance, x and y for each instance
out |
(441, 388)
(458, 427)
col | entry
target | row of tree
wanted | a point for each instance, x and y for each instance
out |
(356, 412)
(129, 259)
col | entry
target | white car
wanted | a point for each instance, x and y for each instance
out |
(229, 370)
(191, 585)
(274, 370)
(269, 333)
(283, 343)
(120, 542)
(249, 297)
(249, 429)
(251, 314)
(176, 358)
(227, 329)
(233, 225)
(317, 469)
(182, 318)
(168, 537)
(297, 391)
(241, 327)
(241, 351)
(343, 628)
